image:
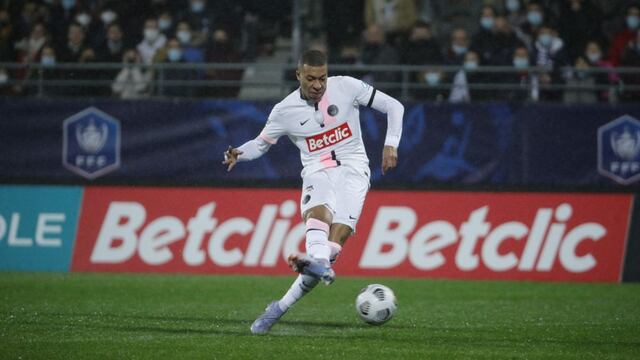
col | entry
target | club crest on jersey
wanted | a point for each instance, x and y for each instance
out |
(329, 137)
(91, 145)
(332, 110)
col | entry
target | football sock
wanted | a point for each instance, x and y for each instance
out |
(301, 286)
(317, 243)
(335, 251)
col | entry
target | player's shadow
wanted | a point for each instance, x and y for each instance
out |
(205, 325)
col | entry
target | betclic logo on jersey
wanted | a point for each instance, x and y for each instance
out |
(91, 145)
(619, 150)
(328, 138)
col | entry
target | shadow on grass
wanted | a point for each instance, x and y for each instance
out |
(223, 326)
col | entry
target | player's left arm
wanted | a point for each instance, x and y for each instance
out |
(395, 111)
(366, 95)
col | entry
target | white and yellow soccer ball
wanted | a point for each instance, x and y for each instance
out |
(376, 304)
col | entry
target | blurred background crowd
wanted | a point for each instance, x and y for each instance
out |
(581, 44)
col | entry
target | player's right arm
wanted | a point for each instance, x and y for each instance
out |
(257, 147)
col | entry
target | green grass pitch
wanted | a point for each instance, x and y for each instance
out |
(89, 316)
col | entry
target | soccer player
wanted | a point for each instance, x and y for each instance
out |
(322, 119)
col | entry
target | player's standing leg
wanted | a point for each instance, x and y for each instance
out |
(318, 200)
(313, 268)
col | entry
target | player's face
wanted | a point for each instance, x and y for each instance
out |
(313, 81)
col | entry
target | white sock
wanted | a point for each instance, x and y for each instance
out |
(300, 287)
(335, 251)
(317, 243)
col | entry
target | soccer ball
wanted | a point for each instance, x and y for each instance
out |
(376, 304)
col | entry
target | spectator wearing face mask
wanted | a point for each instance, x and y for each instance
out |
(458, 47)
(171, 76)
(549, 52)
(434, 86)
(595, 86)
(63, 13)
(631, 58)
(580, 23)
(132, 82)
(495, 41)
(461, 92)
(622, 38)
(535, 18)
(592, 59)
(166, 23)
(514, 13)
(153, 41)
(40, 78)
(581, 84)
(76, 51)
(91, 27)
(200, 17)
(193, 50)
(107, 16)
(110, 51)
(112, 48)
(222, 50)
(526, 82)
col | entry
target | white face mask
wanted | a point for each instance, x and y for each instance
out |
(432, 78)
(164, 24)
(48, 61)
(520, 63)
(174, 55)
(594, 57)
(184, 36)
(108, 17)
(513, 5)
(150, 34)
(197, 6)
(83, 19)
(458, 50)
(471, 64)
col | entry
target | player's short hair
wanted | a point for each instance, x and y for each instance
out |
(313, 58)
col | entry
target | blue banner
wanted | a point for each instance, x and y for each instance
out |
(38, 226)
(181, 143)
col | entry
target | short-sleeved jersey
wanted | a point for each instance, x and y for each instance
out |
(328, 132)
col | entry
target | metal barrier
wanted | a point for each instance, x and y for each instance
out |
(401, 80)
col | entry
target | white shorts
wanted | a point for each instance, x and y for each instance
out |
(341, 189)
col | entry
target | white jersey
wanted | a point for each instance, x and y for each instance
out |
(327, 133)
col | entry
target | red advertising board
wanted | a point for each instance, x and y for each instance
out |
(534, 236)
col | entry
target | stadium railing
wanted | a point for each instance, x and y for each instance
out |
(403, 81)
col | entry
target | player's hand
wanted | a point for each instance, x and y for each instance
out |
(231, 157)
(389, 158)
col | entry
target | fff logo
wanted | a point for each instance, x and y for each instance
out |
(619, 150)
(91, 143)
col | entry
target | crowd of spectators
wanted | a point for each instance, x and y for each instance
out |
(569, 38)
(566, 37)
(132, 35)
